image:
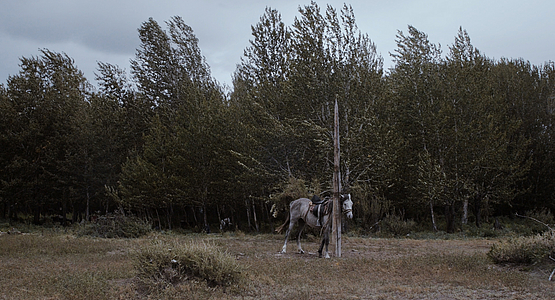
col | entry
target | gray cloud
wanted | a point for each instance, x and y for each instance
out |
(106, 30)
(89, 23)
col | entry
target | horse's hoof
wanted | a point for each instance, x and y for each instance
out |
(327, 256)
(301, 251)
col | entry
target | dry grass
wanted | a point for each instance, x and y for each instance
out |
(164, 264)
(524, 250)
(65, 267)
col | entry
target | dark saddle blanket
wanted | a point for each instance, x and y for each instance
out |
(320, 209)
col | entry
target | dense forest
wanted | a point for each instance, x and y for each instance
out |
(443, 138)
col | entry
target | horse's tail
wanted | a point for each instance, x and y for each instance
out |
(280, 228)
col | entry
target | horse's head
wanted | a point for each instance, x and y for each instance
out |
(347, 205)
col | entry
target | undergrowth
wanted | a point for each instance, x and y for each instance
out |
(523, 250)
(396, 226)
(115, 225)
(527, 249)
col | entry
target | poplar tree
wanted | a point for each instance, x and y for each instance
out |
(185, 153)
(321, 57)
(414, 92)
(47, 99)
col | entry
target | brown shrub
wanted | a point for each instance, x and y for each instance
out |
(523, 250)
(161, 264)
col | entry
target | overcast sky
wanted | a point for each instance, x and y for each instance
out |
(106, 30)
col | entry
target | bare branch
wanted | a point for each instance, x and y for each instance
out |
(534, 219)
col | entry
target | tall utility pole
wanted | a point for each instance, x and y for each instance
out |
(336, 223)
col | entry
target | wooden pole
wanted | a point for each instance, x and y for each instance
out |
(336, 223)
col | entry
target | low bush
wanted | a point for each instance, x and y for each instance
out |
(115, 225)
(162, 264)
(486, 231)
(523, 250)
(396, 226)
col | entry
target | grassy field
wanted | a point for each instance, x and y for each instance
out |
(61, 266)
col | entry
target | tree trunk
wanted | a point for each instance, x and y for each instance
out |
(169, 213)
(205, 216)
(248, 214)
(87, 211)
(159, 221)
(184, 222)
(434, 226)
(478, 209)
(450, 217)
(194, 211)
(219, 214)
(148, 216)
(254, 216)
(234, 219)
(267, 211)
(64, 213)
(75, 214)
(12, 213)
(64, 208)
(465, 211)
(11, 210)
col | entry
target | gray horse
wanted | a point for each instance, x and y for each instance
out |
(300, 212)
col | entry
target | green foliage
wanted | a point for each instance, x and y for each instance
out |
(523, 250)
(327, 58)
(294, 189)
(482, 231)
(46, 104)
(459, 130)
(161, 264)
(115, 225)
(187, 152)
(395, 225)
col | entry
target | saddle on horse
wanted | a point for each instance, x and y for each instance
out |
(319, 208)
(316, 200)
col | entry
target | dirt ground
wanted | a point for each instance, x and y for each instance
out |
(372, 268)
(41, 266)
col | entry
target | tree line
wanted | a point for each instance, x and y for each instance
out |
(452, 136)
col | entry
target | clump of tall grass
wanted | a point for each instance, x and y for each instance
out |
(166, 263)
(116, 225)
(523, 250)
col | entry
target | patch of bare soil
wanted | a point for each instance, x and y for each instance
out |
(386, 269)
(396, 248)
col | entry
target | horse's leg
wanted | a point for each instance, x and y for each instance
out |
(327, 241)
(299, 237)
(321, 247)
(322, 244)
(291, 225)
